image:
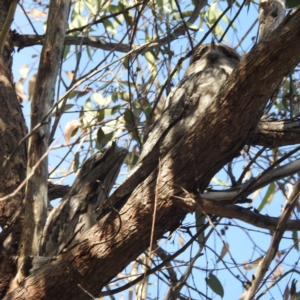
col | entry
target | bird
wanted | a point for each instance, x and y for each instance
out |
(213, 56)
(210, 66)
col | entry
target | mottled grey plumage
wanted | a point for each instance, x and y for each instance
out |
(77, 212)
(209, 68)
(213, 56)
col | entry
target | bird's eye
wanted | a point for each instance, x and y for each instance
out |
(230, 53)
(199, 53)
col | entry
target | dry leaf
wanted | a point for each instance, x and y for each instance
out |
(224, 251)
(20, 91)
(254, 264)
(24, 71)
(286, 294)
(277, 273)
(181, 240)
(135, 150)
(84, 91)
(31, 86)
(38, 13)
(70, 127)
(70, 75)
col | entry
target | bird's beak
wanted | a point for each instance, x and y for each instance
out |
(213, 45)
(212, 54)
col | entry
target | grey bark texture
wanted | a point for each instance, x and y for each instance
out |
(36, 192)
(77, 211)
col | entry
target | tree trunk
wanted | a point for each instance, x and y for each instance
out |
(12, 172)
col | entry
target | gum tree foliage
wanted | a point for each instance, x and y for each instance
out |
(99, 80)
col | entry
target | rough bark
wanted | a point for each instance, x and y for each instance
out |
(75, 214)
(215, 138)
(274, 133)
(36, 193)
(13, 172)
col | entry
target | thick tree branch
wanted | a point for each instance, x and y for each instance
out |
(276, 133)
(269, 133)
(249, 187)
(90, 257)
(36, 193)
(196, 203)
(57, 191)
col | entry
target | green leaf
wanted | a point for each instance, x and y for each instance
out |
(72, 94)
(214, 283)
(88, 50)
(101, 114)
(79, 21)
(112, 110)
(74, 132)
(211, 14)
(111, 27)
(159, 5)
(131, 160)
(268, 196)
(220, 182)
(76, 162)
(99, 99)
(128, 116)
(68, 106)
(89, 112)
(100, 135)
(193, 26)
(228, 21)
(150, 57)
(88, 105)
(123, 95)
(92, 7)
(185, 14)
(66, 51)
(292, 3)
(78, 8)
(103, 139)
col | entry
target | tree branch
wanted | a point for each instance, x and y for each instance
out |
(196, 203)
(274, 133)
(275, 174)
(36, 192)
(277, 236)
